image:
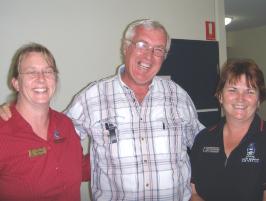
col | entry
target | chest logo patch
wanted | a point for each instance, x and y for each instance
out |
(213, 150)
(250, 156)
(58, 137)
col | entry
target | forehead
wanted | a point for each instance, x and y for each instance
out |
(33, 59)
(240, 80)
(150, 35)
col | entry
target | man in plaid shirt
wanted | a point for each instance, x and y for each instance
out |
(140, 125)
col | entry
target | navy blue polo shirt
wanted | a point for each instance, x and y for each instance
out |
(241, 176)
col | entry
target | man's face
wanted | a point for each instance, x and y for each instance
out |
(142, 56)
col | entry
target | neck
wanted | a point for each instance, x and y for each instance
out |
(37, 117)
(238, 125)
(236, 129)
(140, 90)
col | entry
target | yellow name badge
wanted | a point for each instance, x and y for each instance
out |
(37, 152)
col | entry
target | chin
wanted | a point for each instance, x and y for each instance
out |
(42, 102)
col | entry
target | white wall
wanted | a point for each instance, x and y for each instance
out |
(84, 35)
(249, 43)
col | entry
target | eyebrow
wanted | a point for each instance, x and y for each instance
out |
(158, 46)
(34, 67)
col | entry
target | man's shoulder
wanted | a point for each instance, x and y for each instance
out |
(7, 126)
(94, 87)
(165, 80)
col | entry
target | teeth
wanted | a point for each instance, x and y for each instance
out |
(40, 90)
(239, 106)
(144, 65)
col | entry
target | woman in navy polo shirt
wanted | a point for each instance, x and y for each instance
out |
(229, 159)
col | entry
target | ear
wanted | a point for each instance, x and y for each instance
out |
(15, 84)
(258, 104)
(125, 46)
(220, 99)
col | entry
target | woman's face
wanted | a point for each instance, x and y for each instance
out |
(239, 100)
(36, 82)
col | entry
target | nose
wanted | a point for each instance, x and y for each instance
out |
(40, 75)
(240, 96)
(149, 52)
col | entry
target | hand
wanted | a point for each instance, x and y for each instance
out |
(5, 112)
(195, 196)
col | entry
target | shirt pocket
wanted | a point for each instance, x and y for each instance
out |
(102, 129)
(167, 139)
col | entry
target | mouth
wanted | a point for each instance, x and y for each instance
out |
(239, 107)
(40, 90)
(144, 66)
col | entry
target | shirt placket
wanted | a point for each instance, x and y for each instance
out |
(144, 142)
(145, 155)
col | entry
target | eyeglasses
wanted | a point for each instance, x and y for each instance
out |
(48, 73)
(144, 47)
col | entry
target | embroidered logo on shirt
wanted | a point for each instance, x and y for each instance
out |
(214, 150)
(250, 157)
(37, 152)
(57, 137)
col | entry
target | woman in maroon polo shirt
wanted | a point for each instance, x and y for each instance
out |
(40, 153)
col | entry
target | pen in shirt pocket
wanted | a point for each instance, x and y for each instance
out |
(112, 134)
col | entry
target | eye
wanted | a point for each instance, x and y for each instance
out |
(48, 72)
(159, 51)
(141, 45)
(231, 89)
(251, 91)
(32, 73)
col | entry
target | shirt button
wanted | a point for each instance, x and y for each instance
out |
(147, 185)
(142, 138)
(57, 168)
(145, 161)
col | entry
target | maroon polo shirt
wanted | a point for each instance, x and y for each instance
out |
(33, 169)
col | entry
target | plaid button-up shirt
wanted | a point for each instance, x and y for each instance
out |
(138, 151)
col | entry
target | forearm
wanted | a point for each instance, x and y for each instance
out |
(195, 196)
(86, 174)
(264, 195)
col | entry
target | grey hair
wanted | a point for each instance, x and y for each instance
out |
(146, 23)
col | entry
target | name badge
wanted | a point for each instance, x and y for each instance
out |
(214, 150)
(37, 152)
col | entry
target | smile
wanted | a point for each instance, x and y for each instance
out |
(144, 66)
(40, 90)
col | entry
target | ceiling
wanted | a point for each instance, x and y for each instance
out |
(245, 13)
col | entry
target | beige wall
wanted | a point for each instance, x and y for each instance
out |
(249, 43)
(84, 35)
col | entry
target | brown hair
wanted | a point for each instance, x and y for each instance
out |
(22, 52)
(232, 71)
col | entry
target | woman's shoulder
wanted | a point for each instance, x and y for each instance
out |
(209, 132)
(60, 117)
